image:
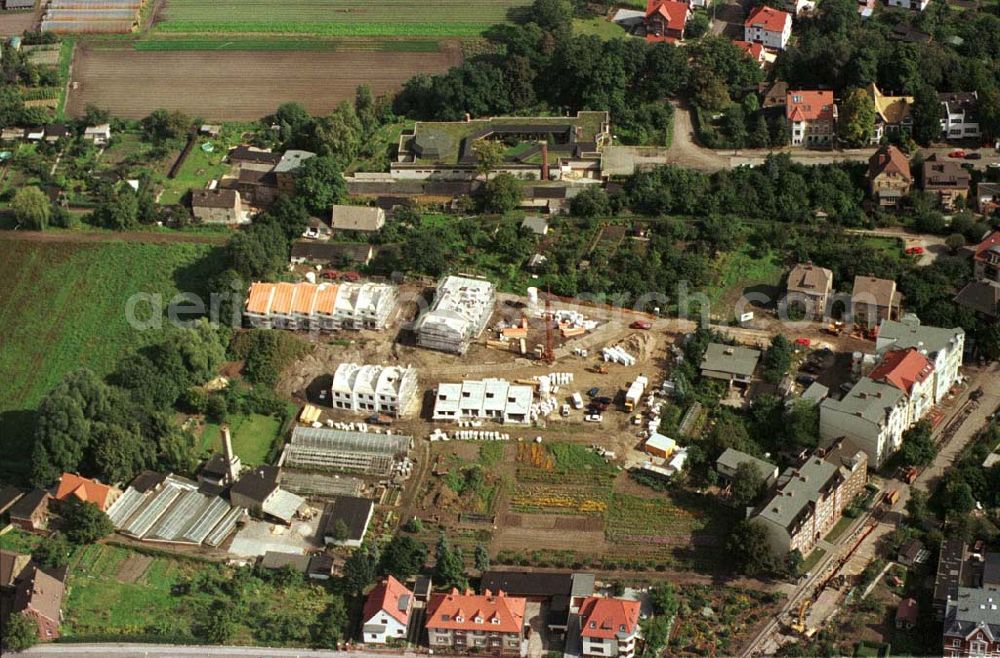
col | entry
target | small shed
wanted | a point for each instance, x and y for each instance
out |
(536, 224)
(659, 445)
(907, 614)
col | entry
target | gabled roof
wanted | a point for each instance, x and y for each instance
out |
(29, 503)
(217, 198)
(605, 618)
(675, 13)
(903, 369)
(41, 593)
(809, 105)
(752, 48)
(892, 109)
(889, 160)
(880, 291)
(89, 491)
(991, 242)
(476, 612)
(389, 596)
(982, 297)
(769, 18)
(257, 484)
(806, 277)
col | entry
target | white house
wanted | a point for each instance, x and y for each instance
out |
(960, 115)
(386, 613)
(768, 26)
(943, 347)
(486, 399)
(873, 415)
(377, 389)
(609, 627)
(100, 135)
(915, 5)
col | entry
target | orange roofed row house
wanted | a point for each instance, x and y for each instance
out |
(320, 307)
(812, 117)
(486, 623)
(88, 491)
(665, 20)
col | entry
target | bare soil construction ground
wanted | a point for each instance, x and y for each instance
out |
(237, 86)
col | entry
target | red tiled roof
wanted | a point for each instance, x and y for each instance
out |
(902, 369)
(754, 49)
(89, 491)
(890, 160)
(992, 240)
(675, 13)
(386, 597)
(768, 18)
(809, 105)
(495, 612)
(606, 618)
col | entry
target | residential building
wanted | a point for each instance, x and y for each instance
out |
(274, 560)
(943, 347)
(362, 219)
(54, 132)
(218, 206)
(912, 553)
(731, 363)
(730, 460)
(912, 373)
(331, 254)
(872, 414)
(9, 495)
(552, 148)
(981, 297)
(320, 307)
(484, 399)
(257, 490)
(754, 51)
(889, 178)
(462, 307)
(100, 134)
(913, 5)
(31, 511)
(953, 571)
(379, 389)
(907, 614)
(769, 27)
(811, 115)
(609, 627)
(811, 498)
(251, 156)
(892, 114)
(563, 592)
(773, 95)
(86, 490)
(809, 286)
(960, 115)
(12, 567)
(345, 521)
(986, 258)
(486, 623)
(987, 198)
(665, 20)
(796, 7)
(874, 300)
(972, 623)
(287, 169)
(261, 175)
(39, 597)
(386, 614)
(945, 179)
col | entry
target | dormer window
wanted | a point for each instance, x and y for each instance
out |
(593, 624)
(459, 618)
(445, 617)
(495, 621)
(478, 620)
(621, 628)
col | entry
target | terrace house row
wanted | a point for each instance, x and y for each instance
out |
(320, 307)
(379, 389)
(462, 308)
(487, 399)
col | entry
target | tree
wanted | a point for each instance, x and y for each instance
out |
(340, 531)
(918, 446)
(955, 241)
(84, 522)
(959, 499)
(926, 112)
(697, 26)
(94, 116)
(339, 135)
(750, 550)
(500, 194)
(289, 215)
(403, 557)
(552, 15)
(119, 454)
(747, 485)
(333, 623)
(857, 118)
(221, 623)
(53, 553)
(592, 201)
(414, 525)
(482, 558)
(19, 633)
(449, 568)
(119, 210)
(489, 155)
(31, 208)
(162, 125)
(361, 568)
(320, 184)
(664, 600)
(777, 359)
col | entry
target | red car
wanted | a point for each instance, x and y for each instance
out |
(329, 274)
(804, 342)
(914, 251)
(957, 153)
(641, 324)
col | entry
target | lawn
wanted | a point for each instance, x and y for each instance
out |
(598, 26)
(64, 307)
(738, 271)
(835, 533)
(287, 45)
(253, 437)
(200, 167)
(442, 18)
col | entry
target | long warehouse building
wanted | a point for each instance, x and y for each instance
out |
(322, 449)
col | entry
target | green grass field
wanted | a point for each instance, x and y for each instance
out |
(199, 168)
(738, 271)
(253, 437)
(63, 307)
(264, 44)
(598, 26)
(442, 18)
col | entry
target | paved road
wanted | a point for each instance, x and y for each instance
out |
(176, 651)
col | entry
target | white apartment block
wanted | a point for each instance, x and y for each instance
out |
(873, 415)
(462, 308)
(914, 5)
(943, 347)
(769, 27)
(377, 389)
(486, 399)
(320, 307)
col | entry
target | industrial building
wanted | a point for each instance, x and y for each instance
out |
(486, 399)
(379, 389)
(172, 509)
(462, 308)
(325, 449)
(320, 307)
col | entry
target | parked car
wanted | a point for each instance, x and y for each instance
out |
(603, 400)
(595, 407)
(957, 153)
(577, 401)
(311, 232)
(594, 418)
(809, 367)
(994, 165)
(329, 274)
(641, 324)
(803, 342)
(805, 380)
(973, 156)
(593, 391)
(976, 394)
(914, 251)
(564, 410)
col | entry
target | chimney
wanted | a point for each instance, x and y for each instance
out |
(468, 117)
(545, 161)
(232, 461)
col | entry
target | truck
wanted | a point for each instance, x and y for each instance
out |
(577, 400)
(379, 419)
(891, 497)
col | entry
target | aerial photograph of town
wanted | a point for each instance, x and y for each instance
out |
(509, 328)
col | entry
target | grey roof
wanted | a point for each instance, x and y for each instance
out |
(28, 503)
(732, 458)
(257, 484)
(868, 399)
(291, 160)
(217, 198)
(283, 505)
(538, 583)
(332, 439)
(815, 393)
(809, 278)
(981, 296)
(730, 359)
(991, 569)
(951, 559)
(277, 560)
(248, 154)
(355, 252)
(8, 496)
(974, 608)
(536, 224)
(901, 335)
(797, 488)
(356, 218)
(354, 512)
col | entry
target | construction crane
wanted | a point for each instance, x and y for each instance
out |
(800, 623)
(549, 354)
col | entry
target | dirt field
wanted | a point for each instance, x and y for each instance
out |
(132, 569)
(237, 86)
(15, 23)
